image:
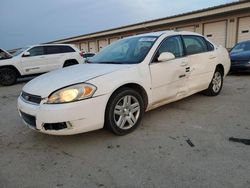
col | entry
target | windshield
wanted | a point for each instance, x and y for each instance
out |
(125, 51)
(20, 51)
(244, 46)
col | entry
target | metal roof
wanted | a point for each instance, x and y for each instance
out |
(75, 38)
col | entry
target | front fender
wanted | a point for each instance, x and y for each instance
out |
(109, 83)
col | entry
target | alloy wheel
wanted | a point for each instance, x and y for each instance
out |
(126, 112)
(217, 82)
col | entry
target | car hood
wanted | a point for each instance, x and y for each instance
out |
(47, 83)
(240, 56)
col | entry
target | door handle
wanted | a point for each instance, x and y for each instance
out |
(182, 76)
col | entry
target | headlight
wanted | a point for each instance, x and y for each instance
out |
(72, 93)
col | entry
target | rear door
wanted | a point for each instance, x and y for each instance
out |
(57, 55)
(169, 78)
(202, 59)
(36, 62)
(54, 57)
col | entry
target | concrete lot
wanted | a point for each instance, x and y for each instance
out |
(155, 155)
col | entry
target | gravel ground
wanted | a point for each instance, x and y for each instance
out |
(155, 155)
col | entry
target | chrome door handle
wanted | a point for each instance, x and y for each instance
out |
(182, 76)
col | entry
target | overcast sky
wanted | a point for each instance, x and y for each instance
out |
(27, 22)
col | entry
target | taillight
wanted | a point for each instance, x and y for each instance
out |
(81, 54)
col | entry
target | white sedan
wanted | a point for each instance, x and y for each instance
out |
(121, 82)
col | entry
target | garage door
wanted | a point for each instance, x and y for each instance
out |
(84, 47)
(244, 29)
(113, 40)
(187, 28)
(77, 45)
(102, 44)
(216, 32)
(92, 47)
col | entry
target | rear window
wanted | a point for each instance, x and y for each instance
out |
(66, 49)
(58, 49)
(52, 50)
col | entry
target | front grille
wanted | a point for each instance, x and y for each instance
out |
(31, 98)
(55, 126)
(29, 119)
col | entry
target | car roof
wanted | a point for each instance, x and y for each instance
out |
(167, 32)
(72, 45)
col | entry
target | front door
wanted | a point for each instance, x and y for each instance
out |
(169, 78)
(36, 62)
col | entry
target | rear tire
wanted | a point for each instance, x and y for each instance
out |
(216, 84)
(124, 111)
(8, 76)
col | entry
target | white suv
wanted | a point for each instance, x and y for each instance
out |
(38, 59)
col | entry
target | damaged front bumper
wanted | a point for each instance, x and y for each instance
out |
(64, 119)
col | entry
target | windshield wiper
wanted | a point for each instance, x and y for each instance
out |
(109, 62)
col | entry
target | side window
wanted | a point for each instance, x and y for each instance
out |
(36, 51)
(52, 50)
(210, 47)
(172, 45)
(66, 49)
(194, 45)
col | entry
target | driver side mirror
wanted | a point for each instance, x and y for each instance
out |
(166, 56)
(26, 54)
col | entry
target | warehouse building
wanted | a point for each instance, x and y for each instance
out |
(224, 25)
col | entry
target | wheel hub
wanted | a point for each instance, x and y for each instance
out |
(217, 82)
(126, 112)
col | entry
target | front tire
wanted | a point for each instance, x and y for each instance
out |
(216, 84)
(8, 76)
(124, 111)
